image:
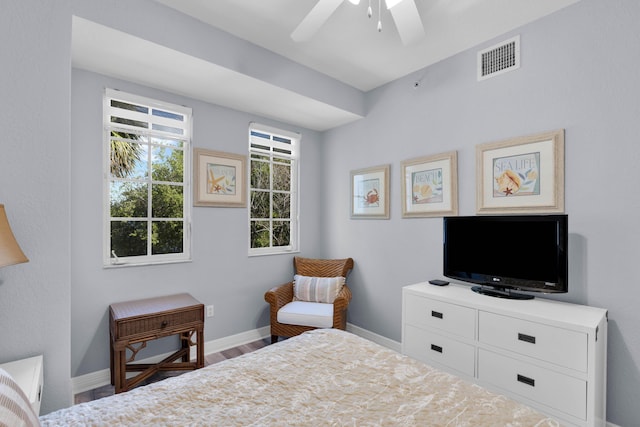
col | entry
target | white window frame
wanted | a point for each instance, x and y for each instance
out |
(294, 148)
(114, 261)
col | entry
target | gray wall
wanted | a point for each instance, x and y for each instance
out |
(34, 186)
(221, 273)
(579, 72)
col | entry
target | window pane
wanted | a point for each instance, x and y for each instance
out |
(129, 238)
(281, 233)
(260, 135)
(129, 106)
(147, 180)
(280, 139)
(260, 175)
(167, 164)
(259, 234)
(130, 122)
(281, 205)
(167, 201)
(176, 143)
(168, 129)
(167, 237)
(273, 171)
(128, 159)
(129, 199)
(260, 204)
(281, 177)
(168, 115)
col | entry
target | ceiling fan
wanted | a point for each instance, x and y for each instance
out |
(404, 12)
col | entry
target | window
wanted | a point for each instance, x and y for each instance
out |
(146, 180)
(273, 189)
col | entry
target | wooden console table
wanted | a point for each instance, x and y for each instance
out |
(133, 323)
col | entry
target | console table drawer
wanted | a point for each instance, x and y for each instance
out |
(559, 346)
(427, 346)
(452, 318)
(553, 389)
(153, 325)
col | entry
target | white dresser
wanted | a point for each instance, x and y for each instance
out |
(28, 374)
(547, 354)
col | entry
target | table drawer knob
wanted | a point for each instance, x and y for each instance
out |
(164, 324)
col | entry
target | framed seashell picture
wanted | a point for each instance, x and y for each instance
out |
(521, 175)
(219, 179)
(430, 186)
(370, 193)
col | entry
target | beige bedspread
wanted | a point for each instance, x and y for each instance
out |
(321, 378)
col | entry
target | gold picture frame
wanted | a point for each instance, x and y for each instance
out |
(521, 175)
(370, 193)
(430, 186)
(219, 179)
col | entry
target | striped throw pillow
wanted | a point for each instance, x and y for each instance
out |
(15, 408)
(317, 289)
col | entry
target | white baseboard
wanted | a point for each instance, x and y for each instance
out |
(101, 378)
(612, 425)
(378, 339)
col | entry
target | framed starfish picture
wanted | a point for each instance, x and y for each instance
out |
(219, 179)
(430, 186)
(521, 175)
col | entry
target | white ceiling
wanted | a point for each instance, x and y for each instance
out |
(347, 48)
(350, 49)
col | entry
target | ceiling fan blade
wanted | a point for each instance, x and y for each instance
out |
(405, 15)
(314, 19)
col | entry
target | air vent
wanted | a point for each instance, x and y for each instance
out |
(499, 59)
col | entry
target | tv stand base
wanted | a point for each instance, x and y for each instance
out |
(499, 293)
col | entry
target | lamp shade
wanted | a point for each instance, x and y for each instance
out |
(10, 252)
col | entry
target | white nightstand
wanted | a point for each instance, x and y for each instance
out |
(28, 374)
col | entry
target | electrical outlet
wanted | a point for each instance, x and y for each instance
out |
(209, 311)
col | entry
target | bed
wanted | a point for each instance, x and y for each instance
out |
(322, 377)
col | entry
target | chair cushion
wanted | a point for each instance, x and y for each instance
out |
(316, 289)
(303, 313)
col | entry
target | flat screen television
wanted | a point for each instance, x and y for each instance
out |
(501, 254)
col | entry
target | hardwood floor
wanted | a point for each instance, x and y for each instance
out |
(209, 359)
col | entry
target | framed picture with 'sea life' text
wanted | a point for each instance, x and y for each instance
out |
(521, 175)
(219, 179)
(430, 186)
(370, 193)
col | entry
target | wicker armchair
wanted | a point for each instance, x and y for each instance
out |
(281, 295)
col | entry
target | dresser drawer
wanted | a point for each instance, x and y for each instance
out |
(451, 318)
(555, 390)
(548, 343)
(429, 346)
(157, 324)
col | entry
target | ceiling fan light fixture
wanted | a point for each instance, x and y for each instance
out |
(391, 3)
(356, 2)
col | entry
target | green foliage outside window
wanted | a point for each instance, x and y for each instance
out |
(129, 193)
(270, 201)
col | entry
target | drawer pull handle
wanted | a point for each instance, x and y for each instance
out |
(526, 380)
(527, 338)
(164, 324)
(436, 314)
(436, 348)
